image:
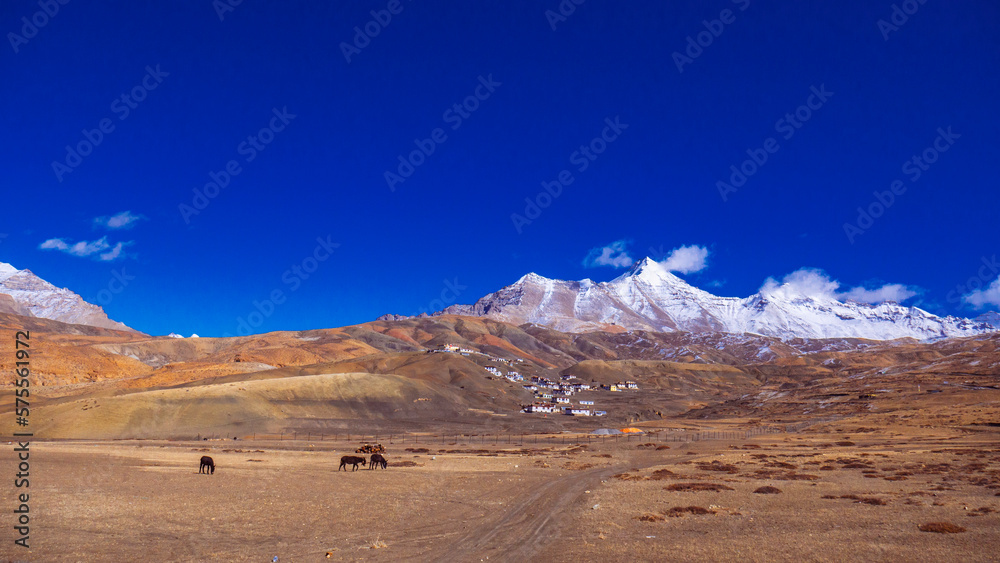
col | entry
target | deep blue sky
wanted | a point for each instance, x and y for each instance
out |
(654, 186)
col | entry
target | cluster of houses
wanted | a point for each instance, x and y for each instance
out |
(511, 376)
(555, 397)
(455, 349)
(551, 396)
(620, 386)
(564, 409)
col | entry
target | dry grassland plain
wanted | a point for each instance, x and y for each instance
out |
(839, 495)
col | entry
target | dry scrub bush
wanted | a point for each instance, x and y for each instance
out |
(767, 490)
(661, 474)
(678, 511)
(718, 466)
(692, 487)
(941, 528)
(649, 517)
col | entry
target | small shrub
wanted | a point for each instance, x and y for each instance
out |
(845, 443)
(661, 474)
(678, 511)
(692, 487)
(649, 517)
(941, 528)
(768, 491)
(663, 447)
(781, 464)
(718, 466)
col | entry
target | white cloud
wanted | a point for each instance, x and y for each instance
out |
(888, 292)
(56, 243)
(686, 259)
(613, 255)
(86, 248)
(113, 253)
(123, 220)
(984, 297)
(812, 282)
(809, 282)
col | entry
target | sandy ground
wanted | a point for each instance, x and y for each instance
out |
(145, 501)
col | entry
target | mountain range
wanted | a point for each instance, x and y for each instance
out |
(648, 297)
(23, 293)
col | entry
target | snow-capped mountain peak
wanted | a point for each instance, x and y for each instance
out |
(39, 298)
(649, 297)
(6, 271)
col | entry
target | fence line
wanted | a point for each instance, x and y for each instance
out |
(660, 436)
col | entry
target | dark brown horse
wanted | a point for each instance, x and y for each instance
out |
(352, 460)
(377, 460)
(207, 464)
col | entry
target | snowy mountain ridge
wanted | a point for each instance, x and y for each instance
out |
(33, 296)
(648, 297)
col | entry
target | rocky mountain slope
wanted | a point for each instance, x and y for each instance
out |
(24, 293)
(648, 297)
(397, 372)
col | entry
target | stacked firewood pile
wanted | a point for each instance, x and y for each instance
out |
(371, 449)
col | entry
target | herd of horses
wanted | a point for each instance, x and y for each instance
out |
(355, 461)
(208, 464)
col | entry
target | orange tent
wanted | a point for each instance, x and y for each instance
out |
(631, 431)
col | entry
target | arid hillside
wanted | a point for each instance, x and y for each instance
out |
(149, 385)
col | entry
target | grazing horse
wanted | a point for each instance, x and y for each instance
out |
(377, 460)
(206, 464)
(353, 460)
